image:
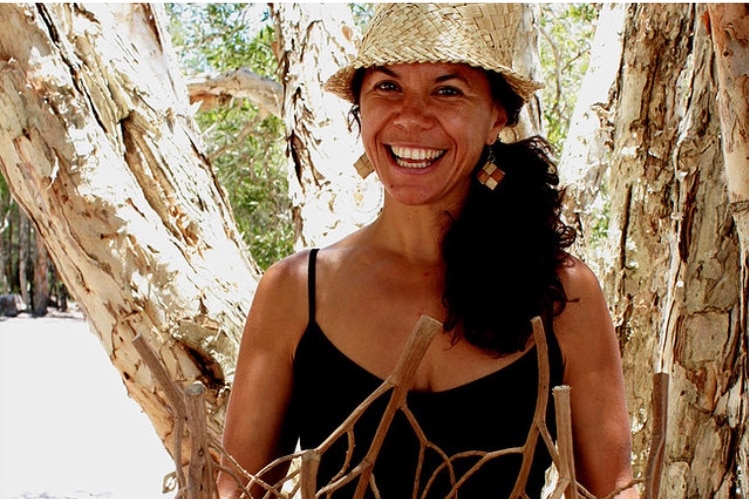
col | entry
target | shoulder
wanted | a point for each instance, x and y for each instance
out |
(279, 312)
(578, 280)
(593, 370)
(584, 327)
(288, 275)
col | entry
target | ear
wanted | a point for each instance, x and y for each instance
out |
(500, 120)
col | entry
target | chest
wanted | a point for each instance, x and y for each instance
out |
(368, 315)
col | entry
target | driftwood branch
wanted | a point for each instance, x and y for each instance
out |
(303, 465)
(426, 329)
(201, 483)
(563, 414)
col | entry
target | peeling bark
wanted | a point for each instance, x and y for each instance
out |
(729, 26)
(98, 145)
(329, 199)
(672, 278)
(525, 60)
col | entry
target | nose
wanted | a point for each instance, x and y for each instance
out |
(414, 113)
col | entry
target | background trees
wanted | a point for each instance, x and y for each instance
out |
(98, 146)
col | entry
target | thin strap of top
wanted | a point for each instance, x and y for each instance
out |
(311, 277)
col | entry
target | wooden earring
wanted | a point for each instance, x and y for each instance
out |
(490, 174)
(363, 166)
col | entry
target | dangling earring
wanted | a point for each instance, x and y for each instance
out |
(490, 174)
(363, 166)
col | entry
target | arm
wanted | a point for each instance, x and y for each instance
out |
(593, 370)
(263, 381)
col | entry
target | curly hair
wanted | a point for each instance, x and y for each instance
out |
(502, 253)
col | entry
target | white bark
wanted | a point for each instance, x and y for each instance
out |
(329, 198)
(98, 145)
(525, 60)
(586, 155)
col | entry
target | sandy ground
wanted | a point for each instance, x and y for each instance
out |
(67, 427)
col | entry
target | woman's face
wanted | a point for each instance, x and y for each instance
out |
(424, 127)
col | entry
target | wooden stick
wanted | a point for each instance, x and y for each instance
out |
(400, 381)
(539, 415)
(564, 439)
(310, 464)
(201, 483)
(654, 468)
(401, 378)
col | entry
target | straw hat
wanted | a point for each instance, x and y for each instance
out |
(480, 35)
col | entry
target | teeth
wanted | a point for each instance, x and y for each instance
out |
(415, 157)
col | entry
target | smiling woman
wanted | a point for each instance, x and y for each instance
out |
(469, 235)
(441, 112)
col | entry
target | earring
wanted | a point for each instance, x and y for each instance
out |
(490, 174)
(363, 166)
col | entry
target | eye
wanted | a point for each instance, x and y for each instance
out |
(449, 92)
(386, 86)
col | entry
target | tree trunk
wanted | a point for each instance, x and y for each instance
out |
(4, 246)
(24, 231)
(729, 25)
(329, 199)
(583, 167)
(41, 278)
(98, 144)
(672, 275)
(525, 60)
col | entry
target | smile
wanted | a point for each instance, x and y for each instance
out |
(415, 157)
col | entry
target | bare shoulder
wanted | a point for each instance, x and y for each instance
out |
(578, 280)
(584, 327)
(279, 308)
(592, 368)
(286, 275)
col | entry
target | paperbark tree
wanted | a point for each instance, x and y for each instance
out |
(98, 146)
(329, 199)
(673, 279)
(729, 25)
(24, 232)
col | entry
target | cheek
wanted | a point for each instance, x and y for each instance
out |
(372, 123)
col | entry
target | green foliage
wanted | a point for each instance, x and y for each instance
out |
(362, 13)
(564, 48)
(245, 146)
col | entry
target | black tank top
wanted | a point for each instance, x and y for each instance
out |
(490, 413)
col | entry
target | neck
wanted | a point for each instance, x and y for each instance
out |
(414, 232)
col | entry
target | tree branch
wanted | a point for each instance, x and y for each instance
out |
(241, 83)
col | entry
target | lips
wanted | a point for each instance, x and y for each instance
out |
(415, 157)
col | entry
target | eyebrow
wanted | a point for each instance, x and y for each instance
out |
(439, 79)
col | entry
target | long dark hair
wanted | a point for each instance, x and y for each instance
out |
(503, 250)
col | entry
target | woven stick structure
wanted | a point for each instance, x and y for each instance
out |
(302, 466)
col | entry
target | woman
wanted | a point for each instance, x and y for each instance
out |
(469, 234)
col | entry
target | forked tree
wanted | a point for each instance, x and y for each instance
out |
(98, 145)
